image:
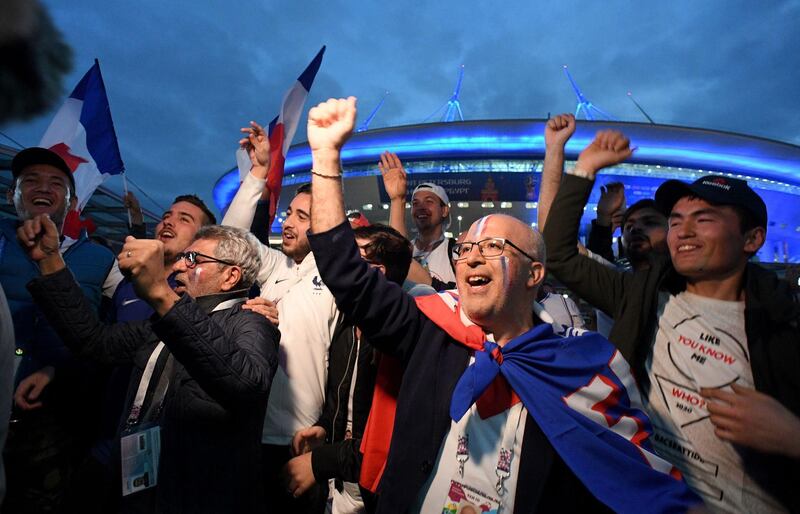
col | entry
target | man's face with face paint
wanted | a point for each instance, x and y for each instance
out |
(204, 277)
(491, 288)
(42, 189)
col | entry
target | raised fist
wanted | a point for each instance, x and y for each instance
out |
(609, 147)
(142, 261)
(256, 143)
(558, 130)
(611, 205)
(39, 237)
(331, 123)
(394, 176)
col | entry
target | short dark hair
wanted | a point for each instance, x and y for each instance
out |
(304, 188)
(389, 248)
(197, 202)
(647, 203)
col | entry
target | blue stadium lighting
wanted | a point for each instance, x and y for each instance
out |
(695, 149)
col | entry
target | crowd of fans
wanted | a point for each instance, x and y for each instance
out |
(355, 370)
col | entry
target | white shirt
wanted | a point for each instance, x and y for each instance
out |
(485, 438)
(437, 261)
(308, 317)
(701, 342)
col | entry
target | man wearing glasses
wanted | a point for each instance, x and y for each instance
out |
(203, 366)
(492, 396)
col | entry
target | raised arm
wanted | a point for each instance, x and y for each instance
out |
(596, 283)
(243, 207)
(610, 209)
(330, 124)
(557, 132)
(395, 183)
(61, 300)
(381, 309)
(241, 212)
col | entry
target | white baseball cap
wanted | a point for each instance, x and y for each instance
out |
(432, 188)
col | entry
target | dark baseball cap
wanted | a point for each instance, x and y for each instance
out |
(37, 155)
(714, 189)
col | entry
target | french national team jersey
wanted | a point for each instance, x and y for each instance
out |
(307, 316)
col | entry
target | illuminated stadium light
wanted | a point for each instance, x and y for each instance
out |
(505, 205)
(367, 207)
(465, 154)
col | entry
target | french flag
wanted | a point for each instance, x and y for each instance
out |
(281, 132)
(82, 133)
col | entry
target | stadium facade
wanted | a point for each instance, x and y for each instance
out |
(495, 166)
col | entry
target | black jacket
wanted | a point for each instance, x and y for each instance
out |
(214, 408)
(391, 320)
(772, 320)
(340, 457)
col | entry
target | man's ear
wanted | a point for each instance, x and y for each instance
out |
(233, 275)
(445, 211)
(754, 239)
(73, 201)
(537, 275)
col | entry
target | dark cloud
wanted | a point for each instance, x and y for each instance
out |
(183, 77)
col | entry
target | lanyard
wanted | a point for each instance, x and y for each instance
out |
(147, 374)
(506, 453)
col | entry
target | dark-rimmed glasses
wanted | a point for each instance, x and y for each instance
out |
(489, 248)
(190, 259)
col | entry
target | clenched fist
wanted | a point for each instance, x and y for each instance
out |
(331, 123)
(609, 147)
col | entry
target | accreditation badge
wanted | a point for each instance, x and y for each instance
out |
(465, 499)
(140, 456)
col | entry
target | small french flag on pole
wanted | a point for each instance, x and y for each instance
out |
(82, 133)
(281, 131)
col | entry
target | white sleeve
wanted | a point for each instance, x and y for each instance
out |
(240, 214)
(243, 207)
(113, 279)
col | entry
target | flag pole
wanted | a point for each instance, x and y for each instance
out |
(125, 189)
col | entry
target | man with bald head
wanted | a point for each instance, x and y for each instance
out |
(493, 395)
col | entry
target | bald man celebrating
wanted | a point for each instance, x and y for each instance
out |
(497, 407)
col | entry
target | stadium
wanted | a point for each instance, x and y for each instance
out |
(495, 166)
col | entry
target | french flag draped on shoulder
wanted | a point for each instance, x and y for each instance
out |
(82, 133)
(281, 132)
(580, 391)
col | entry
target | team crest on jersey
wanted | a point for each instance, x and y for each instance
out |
(318, 283)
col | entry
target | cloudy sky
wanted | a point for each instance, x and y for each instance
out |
(182, 77)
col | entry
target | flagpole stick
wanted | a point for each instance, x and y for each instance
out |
(125, 189)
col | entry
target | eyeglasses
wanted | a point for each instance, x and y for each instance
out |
(190, 259)
(489, 248)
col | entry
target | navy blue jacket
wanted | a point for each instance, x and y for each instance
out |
(391, 320)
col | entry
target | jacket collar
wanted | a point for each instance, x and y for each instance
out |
(209, 301)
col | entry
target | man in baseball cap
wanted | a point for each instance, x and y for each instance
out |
(430, 209)
(717, 190)
(711, 336)
(38, 469)
(43, 184)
